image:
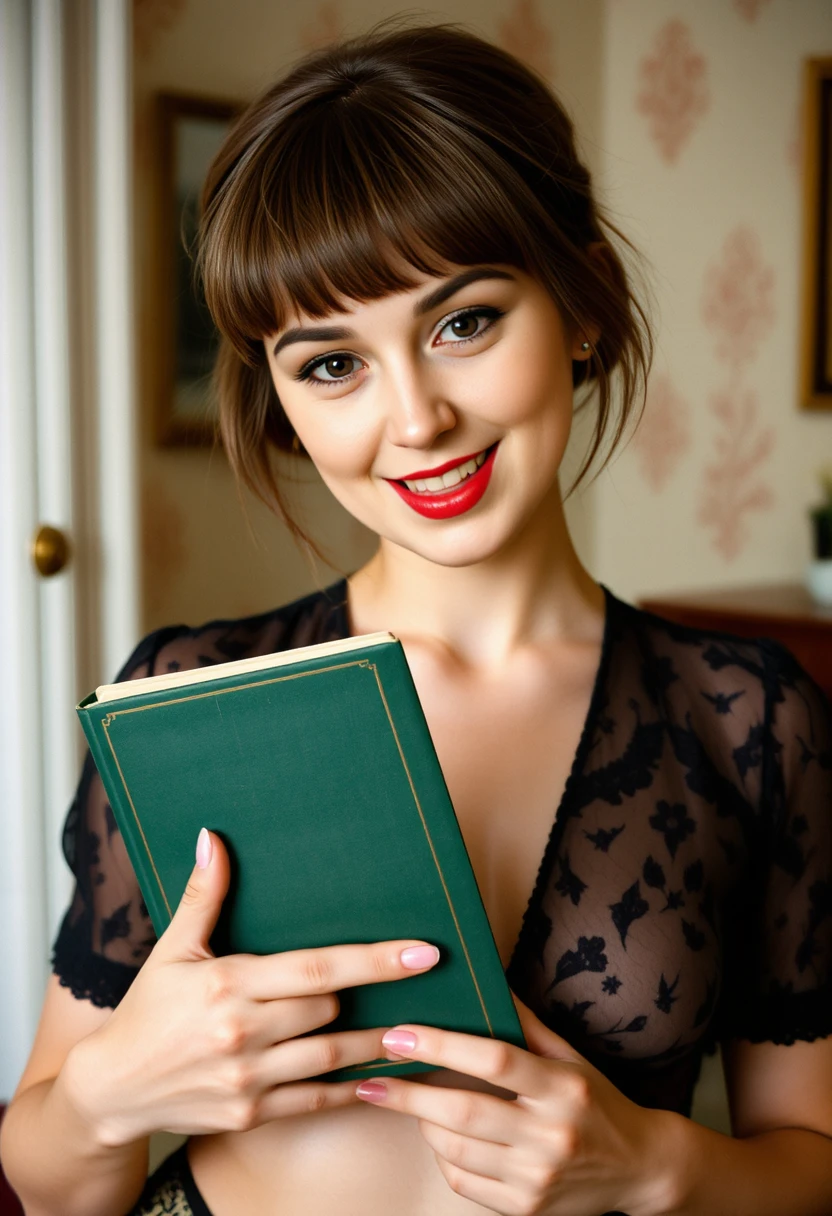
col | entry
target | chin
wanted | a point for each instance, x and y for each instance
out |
(457, 548)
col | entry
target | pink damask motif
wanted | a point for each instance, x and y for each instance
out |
(749, 10)
(738, 305)
(523, 33)
(674, 92)
(326, 26)
(151, 19)
(733, 485)
(664, 433)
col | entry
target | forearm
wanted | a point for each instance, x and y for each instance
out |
(54, 1157)
(787, 1172)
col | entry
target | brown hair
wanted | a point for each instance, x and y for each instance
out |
(422, 147)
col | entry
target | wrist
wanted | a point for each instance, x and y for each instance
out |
(663, 1181)
(82, 1087)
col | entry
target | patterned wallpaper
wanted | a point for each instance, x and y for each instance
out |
(689, 112)
(702, 162)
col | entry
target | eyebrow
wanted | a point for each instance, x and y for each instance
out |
(338, 333)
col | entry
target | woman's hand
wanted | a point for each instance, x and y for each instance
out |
(570, 1144)
(202, 1044)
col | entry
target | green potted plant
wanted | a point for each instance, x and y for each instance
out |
(819, 575)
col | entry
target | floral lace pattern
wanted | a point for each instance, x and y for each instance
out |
(685, 895)
(171, 1190)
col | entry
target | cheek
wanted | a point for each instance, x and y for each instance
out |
(338, 441)
(337, 455)
(534, 388)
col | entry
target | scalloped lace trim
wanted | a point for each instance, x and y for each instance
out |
(90, 976)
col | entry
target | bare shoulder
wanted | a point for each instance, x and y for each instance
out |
(64, 1021)
(773, 1085)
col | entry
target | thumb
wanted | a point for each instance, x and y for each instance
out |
(541, 1040)
(188, 935)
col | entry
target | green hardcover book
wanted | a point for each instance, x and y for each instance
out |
(317, 769)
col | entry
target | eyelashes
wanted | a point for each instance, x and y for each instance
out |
(307, 373)
(308, 369)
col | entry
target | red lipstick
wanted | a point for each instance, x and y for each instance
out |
(445, 504)
(440, 468)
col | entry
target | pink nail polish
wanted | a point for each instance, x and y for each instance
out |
(416, 958)
(204, 849)
(400, 1041)
(372, 1091)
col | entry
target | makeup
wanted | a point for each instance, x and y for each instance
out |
(451, 501)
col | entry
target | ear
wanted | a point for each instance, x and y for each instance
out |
(541, 1040)
(583, 343)
(600, 254)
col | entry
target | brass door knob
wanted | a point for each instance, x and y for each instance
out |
(50, 551)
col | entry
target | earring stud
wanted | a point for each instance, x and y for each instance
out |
(584, 346)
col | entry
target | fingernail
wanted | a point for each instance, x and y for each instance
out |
(416, 958)
(204, 849)
(372, 1091)
(400, 1041)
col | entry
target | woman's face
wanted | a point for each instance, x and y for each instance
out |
(438, 416)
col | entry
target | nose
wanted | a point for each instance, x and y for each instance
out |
(417, 411)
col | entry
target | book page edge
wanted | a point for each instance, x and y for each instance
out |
(219, 671)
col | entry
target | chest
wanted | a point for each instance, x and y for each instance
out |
(507, 748)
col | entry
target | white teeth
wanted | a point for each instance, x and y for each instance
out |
(452, 478)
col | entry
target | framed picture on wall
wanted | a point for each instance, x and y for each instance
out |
(190, 131)
(816, 354)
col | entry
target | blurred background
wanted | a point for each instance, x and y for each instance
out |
(702, 123)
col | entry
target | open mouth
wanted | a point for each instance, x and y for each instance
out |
(450, 489)
(447, 481)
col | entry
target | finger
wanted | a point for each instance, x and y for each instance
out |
(481, 1157)
(491, 1060)
(487, 1192)
(189, 933)
(329, 968)
(275, 1021)
(543, 1041)
(303, 1098)
(318, 1054)
(463, 1111)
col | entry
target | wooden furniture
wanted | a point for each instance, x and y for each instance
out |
(783, 611)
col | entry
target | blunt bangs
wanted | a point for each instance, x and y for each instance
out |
(346, 208)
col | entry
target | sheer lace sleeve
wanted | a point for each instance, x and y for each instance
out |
(781, 989)
(106, 934)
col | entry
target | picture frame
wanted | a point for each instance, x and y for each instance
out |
(189, 131)
(816, 337)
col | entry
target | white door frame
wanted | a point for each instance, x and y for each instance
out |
(39, 423)
(22, 879)
(117, 423)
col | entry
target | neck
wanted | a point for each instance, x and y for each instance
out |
(532, 592)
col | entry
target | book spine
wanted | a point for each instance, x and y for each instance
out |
(92, 722)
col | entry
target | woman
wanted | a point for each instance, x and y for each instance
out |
(411, 276)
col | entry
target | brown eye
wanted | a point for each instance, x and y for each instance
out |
(465, 327)
(338, 365)
(331, 369)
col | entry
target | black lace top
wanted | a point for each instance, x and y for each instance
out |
(685, 896)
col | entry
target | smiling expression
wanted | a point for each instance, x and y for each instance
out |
(437, 416)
